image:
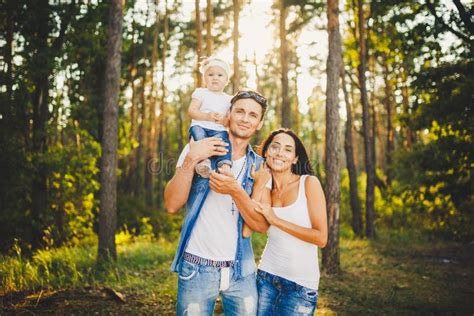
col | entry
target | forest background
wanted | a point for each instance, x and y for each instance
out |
(381, 94)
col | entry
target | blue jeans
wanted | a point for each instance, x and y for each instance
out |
(279, 296)
(197, 133)
(199, 286)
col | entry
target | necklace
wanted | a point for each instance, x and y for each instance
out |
(238, 176)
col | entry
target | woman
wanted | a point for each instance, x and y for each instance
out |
(288, 274)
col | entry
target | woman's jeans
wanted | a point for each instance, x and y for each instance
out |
(199, 286)
(197, 133)
(279, 296)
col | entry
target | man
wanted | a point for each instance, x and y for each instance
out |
(213, 258)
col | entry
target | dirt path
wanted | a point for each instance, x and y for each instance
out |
(90, 301)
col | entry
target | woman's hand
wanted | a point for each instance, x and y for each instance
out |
(262, 176)
(267, 211)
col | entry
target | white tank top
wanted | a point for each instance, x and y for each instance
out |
(287, 256)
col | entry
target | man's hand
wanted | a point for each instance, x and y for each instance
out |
(207, 147)
(223, 183)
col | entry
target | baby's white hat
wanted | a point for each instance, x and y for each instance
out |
(214, 61)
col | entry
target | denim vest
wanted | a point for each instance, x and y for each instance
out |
(244, 263)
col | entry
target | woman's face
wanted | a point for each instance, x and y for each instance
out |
(281, 153)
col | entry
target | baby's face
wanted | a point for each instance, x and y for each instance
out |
(215, 79)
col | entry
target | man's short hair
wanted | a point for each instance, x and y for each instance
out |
(250, 94)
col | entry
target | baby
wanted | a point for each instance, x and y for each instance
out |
(209, 112)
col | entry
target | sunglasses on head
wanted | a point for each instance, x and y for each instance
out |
(249, 95)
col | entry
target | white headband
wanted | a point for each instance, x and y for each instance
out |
(211, 62)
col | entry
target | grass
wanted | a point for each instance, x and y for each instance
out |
(75, 266)
(398, 273)
(388, 277)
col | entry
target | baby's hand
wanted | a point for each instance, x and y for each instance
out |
(222, 120)
(214, 116)
(218, 118)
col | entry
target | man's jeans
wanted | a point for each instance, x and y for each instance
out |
(279, 296)
(197, 133)
(199, 286)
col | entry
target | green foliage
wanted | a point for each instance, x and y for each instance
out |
(139, 219)
(73, 187)
(407, 207)
(16, 170)
(258, 244)
(438, 170)
(74, 266)
(84, 67)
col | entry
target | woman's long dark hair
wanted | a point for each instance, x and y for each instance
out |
(302, 165)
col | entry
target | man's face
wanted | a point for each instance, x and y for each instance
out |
(245, 118)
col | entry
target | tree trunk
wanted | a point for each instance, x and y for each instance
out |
(258, 133)
(39, 190)
(41, 114)
(235, 37)
(108, 179)
(369, 160)
(331, 252)
(142, 140)
(162, 150)
(357, 225)
(285, 101)
(132, 163)
(390, 133)
(179, 117)
(144, 131)
(209, 38)
(313, 135)
(151, 160)
(356, 144)
(373, 134)
(199, 43)
(380, 140)
(9, 56)
(295, 109)
(406, 108)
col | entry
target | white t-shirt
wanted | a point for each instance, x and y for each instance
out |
(287, 256)
(214, 235)
(211, 102)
